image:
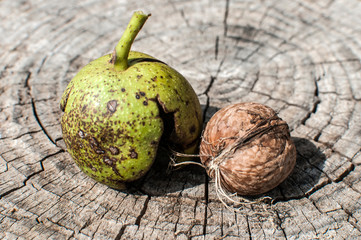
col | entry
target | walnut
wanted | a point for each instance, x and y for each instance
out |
(247, 149)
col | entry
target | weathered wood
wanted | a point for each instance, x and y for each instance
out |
(301, 58)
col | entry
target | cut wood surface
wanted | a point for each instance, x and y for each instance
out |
(302, 58)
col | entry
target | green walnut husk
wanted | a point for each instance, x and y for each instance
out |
(119, 107)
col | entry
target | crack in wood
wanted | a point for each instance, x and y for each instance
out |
(351, 219)
(27, 133)
(121, 232)
(86, 224)
(317, 187)
(279, 224)
(216, 48)
(316, 103)
(206, 91)
(142, 212)
(281, 100)
(33, 105)
(39, 122)
(27, 78)
(345, 173)
(31, 175)
(41, 65)
(189, 230)
(206, 199)
(248, 228)
(58, 224)
(310, 222)
(6, 164)
(225, 24)
(183, 16)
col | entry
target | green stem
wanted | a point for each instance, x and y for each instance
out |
(121, 52)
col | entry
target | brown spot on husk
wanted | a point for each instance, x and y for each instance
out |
(99, 151)
(114, 150)
(133, 154)
(83, 109)
(112, 105)
(109, 161)
(92, 168)
(93, 143)
(81, 134)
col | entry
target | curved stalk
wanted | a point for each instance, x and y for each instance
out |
(121, 52)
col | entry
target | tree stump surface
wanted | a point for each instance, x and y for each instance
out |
(301, 58)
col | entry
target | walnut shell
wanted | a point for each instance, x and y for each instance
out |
(250, 146)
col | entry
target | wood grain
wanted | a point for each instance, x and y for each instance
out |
(301, 58)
